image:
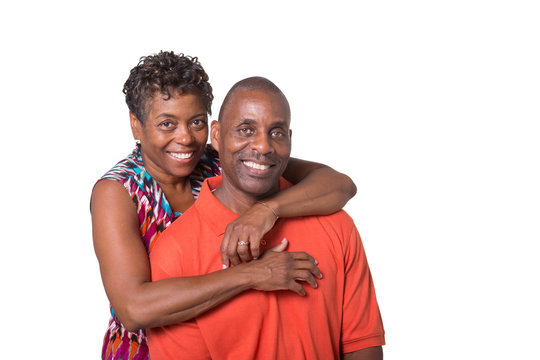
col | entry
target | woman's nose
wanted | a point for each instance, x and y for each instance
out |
(183, 135)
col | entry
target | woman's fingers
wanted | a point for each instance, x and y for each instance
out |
(242, 238)
(232, 252)
(254, 247)
(223, 250)
(297, 288)
(243, 246)
(310, 267)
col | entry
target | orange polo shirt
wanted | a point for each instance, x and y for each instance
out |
(340, 316)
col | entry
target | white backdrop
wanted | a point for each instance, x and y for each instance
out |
(431, 107)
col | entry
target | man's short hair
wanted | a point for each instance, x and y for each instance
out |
(165, 73)
(253, 83)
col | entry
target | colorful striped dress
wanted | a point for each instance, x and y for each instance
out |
(155, 215)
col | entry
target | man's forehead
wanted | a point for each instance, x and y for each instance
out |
(245, 101)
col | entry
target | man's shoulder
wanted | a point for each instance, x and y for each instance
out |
(339, 220)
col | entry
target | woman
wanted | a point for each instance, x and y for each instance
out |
(169, 99)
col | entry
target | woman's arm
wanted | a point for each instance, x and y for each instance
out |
(140, 303)
(318, 190)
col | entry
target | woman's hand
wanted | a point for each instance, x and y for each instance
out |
(242, 238)
(278, 269)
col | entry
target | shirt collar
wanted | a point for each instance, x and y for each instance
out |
(214, 213)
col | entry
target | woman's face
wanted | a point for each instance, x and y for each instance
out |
(173, 136)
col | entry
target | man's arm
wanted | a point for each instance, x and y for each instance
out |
(362, 327)
(372, 353)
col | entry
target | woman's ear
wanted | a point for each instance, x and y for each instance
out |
(136, 126)
(215, 133)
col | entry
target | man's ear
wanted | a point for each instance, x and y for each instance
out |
(136, 126)
(215, 134)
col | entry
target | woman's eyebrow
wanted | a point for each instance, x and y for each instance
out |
(168, 115)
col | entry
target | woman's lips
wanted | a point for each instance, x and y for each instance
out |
(181, 155)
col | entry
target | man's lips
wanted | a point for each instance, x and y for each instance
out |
(255, 165)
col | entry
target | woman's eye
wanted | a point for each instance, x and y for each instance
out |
(199, 123)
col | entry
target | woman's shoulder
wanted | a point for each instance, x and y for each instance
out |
(125, 170)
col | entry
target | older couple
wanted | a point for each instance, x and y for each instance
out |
(169, 98)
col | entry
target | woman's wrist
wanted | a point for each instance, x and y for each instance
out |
(249, 275)
(270, 207)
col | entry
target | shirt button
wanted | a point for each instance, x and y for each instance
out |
(263, 242)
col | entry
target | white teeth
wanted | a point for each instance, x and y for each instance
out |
(182, 155)
(254, 165)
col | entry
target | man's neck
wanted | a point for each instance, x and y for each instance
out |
(236, 200)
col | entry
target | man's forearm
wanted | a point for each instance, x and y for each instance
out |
(372, 353)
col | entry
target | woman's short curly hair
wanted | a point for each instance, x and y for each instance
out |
(165, 72)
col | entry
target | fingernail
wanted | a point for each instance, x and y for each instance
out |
(316, 262)
(284, 239)
(224, 266)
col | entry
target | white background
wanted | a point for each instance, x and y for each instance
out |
(432, 107)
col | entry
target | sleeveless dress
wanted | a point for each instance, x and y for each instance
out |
(155, 215)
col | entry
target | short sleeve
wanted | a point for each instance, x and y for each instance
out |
(362, 325)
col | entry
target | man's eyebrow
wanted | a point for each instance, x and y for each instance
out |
(246, 121)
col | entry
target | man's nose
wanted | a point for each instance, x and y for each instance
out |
(262, 144)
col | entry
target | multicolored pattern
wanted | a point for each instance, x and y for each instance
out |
(155, 215)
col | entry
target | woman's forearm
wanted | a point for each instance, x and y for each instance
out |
(319, 190)
(174, 300)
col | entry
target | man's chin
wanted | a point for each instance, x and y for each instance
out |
(255, 188)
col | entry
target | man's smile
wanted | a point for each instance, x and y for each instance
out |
(254, 165)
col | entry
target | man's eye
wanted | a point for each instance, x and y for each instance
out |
(245, 131)
(166, 124)
(277, 134)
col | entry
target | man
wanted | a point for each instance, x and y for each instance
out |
(340, 317)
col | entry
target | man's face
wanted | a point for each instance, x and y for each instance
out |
(254, 141)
